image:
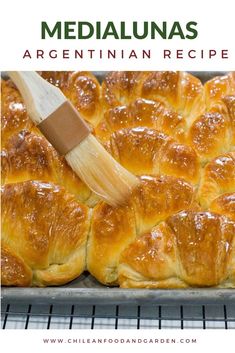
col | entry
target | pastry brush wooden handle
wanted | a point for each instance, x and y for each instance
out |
(40, 97)
(61, 124)
(50, 110)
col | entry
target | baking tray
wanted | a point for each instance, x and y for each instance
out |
(86, 290)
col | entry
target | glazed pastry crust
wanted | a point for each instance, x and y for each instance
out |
(113, 229)
(210, 135)
(224, 205)
(14, 117)
(82, 89)
(142, 150)
(121, 87)
(142, 112)
(28, 156)
(218, 88)
(229, 102)
(44, 232)
(178, 90)
(206, 111)
(14, 270)
(218, 177)
(188, 249)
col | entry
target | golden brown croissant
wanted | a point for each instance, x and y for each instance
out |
(218, 177)
(143, 150)
(14, 117)
(219, 87)
(28, 156)
(213, 132)
(14, 270)
(44, 234)
(179, 90)
(82, 89)
(121, 87)
(210, 134)
(224, 205)
(229, 102)
(113, 229)
(142, 112)
(188, 249)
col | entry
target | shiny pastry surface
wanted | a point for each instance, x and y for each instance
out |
(112, 229)
(188, 249)
(44, 234)
(176, 230)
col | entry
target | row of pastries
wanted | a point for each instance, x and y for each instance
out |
(176, 230)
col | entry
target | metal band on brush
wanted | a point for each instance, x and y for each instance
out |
(64, 129)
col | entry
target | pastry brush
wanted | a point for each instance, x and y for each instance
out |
(61, 124)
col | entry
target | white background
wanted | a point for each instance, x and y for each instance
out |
(32, 341)
(21, 30)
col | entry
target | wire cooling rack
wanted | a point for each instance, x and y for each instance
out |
(27, 316)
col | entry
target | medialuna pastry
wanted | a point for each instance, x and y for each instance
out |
(44, 234)
(176, 230)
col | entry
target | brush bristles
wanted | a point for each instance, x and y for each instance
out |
(99, 170)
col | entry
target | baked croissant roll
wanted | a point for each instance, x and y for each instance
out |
(189, 249)
(218, 177)
(44, 235)
(229, 102)
(82, 89)
(121, 87)
(14, 117)
(113, 229)
(28, 156)
(224, 205)
(179, 90)
(218, 88)
(210, 134)
(142, 112)
(143, 150)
